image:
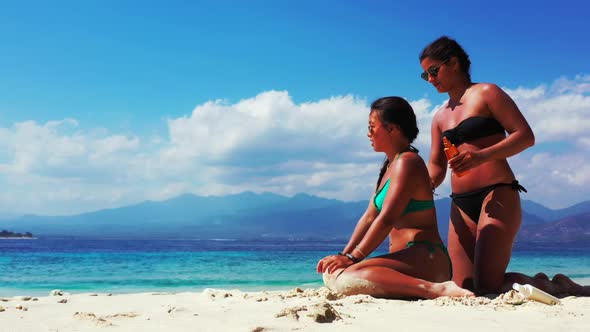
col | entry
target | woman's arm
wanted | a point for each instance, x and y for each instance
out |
(361, 227)
(437, 164)
(520, 136)
(332, 262)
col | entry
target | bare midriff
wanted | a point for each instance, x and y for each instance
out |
(399, 238)
(488, 173)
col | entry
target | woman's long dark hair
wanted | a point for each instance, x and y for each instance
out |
(396, 111)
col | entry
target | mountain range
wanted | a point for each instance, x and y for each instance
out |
(251, 215)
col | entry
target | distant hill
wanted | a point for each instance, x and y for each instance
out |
(190, 216)
(9, 234)
(546, 214)
(250, 215)
(567, 230)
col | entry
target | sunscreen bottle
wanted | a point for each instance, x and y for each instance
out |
(451, 151)
(533, 293)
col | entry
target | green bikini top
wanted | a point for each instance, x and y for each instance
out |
(413, 206)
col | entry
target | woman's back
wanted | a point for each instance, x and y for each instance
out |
(418, 220)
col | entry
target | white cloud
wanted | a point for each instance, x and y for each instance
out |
(579, 85)
(268, 143)
(57, 168)
(268, 124)
(112, 145)
(584, 142)
(424, 113)
(35, 147)
(554, 179)
(54, 149)
(557, 170)
(264, 143)
(558, 113)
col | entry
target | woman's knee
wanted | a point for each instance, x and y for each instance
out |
(493, 251)
(355, 282)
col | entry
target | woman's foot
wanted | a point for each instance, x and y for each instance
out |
(541, 276)
(449, 288)
(565, 285)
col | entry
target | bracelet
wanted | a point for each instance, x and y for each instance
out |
(359, 250)
(352, 258)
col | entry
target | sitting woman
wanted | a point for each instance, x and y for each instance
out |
(418, 264)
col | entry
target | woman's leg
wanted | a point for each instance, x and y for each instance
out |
(405, 273)
(560, 285)
(566, 286)
(500, 220)
(498, 224)
(461, 246)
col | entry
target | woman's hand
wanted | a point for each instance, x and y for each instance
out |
(466, 160)
(332, 263)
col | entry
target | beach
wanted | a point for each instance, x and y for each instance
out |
(312, 309)
(204, 285)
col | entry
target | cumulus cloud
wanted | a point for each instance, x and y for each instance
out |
(268, 126)
(264, 143)
(556, 169)
(556, 180)
(584, 142)
(57, 168)
(268, 143)
(56, 149)
(559, 112)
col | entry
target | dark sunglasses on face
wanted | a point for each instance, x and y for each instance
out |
(373, 129)
(432, 70)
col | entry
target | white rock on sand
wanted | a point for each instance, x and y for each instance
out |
(297, 309)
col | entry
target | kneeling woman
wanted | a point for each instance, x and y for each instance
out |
(402, 208)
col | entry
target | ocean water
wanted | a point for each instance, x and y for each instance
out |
(37, 266)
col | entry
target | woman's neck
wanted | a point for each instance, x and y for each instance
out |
(394, 153)
(459, 90)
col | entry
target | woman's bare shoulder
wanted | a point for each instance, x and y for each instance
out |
(410, 161)
(440, 112)
(487, 88)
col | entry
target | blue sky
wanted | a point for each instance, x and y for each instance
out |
(109, 103)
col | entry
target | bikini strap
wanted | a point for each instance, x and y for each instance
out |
(518, 187)
(514, 185)
(410, 148)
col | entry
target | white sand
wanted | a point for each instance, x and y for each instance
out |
(295, 310)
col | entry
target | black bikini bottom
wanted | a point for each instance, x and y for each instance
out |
(471, 202)
(431, 247)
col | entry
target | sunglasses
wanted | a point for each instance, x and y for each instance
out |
(373, 129)
(432, 70)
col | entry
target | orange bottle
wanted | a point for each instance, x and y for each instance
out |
(451, 151)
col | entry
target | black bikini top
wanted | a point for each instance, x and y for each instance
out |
(473, 128)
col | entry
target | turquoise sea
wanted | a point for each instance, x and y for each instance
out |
(34, 267)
